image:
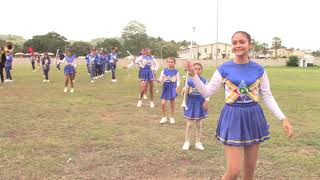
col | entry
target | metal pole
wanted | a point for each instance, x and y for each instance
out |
(161, 52)
(217, 35)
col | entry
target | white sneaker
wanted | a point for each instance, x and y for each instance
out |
(95, 78)
(88, 74)
(107, 71)
(199, 146)
(163, 120)
(172, 121)
(71, 90)
(114, 80)
(92, 81)
(7, 80)
(44, 80)
(145, 96)
(65, 89)
(186, 146)
(151, 104)
(48, 80)
(139, 103)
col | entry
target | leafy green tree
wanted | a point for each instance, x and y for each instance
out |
(135, 37)
(81, 48)
(48, 42)
(108, 43)
(264, 48)
(293, 61)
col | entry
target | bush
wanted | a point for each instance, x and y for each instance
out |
(293, 61)
(310, 65)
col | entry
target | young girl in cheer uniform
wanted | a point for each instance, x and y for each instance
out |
(69, 70)
(171, 82)
(242, 125)
(196, 110)
(148, 66)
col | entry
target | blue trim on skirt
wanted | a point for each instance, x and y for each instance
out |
(242, 125)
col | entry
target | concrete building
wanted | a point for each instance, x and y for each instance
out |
(208, 51)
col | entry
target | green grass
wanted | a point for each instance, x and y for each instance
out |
(107, 137)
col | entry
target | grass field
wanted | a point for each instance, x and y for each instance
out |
(99, 133)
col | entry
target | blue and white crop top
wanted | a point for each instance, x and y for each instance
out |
(243, 83)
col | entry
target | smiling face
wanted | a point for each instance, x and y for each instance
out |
(241, 45)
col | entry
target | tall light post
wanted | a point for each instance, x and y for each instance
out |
(191, 46)
(161, 48)
(217, 35)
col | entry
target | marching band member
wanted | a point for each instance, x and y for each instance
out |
(46, 61)
(113, 57)
(2, 64)
(91, 59)
(8, 66)
(171, 82)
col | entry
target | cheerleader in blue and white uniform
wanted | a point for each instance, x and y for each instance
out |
(134, 64)
(242, 125)
(171, 82)
(197, 109)
(69, 70)
(148, 65)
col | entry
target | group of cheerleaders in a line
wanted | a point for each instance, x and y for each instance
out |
(69, 69)
(242, 125)
(98, 62)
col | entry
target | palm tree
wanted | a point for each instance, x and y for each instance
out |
(276, 44)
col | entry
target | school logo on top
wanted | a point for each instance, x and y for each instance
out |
(243, 91)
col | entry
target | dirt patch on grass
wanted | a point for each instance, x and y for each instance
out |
(109, 117)
(308, 150)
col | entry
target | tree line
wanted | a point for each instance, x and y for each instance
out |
(133, 39)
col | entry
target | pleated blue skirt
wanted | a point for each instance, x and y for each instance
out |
(195, 110)
(69, 69)
(242, 125)
(145, 74)
(169, 91)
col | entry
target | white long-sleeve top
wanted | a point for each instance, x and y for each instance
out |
(147, 62)
(243, 83)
